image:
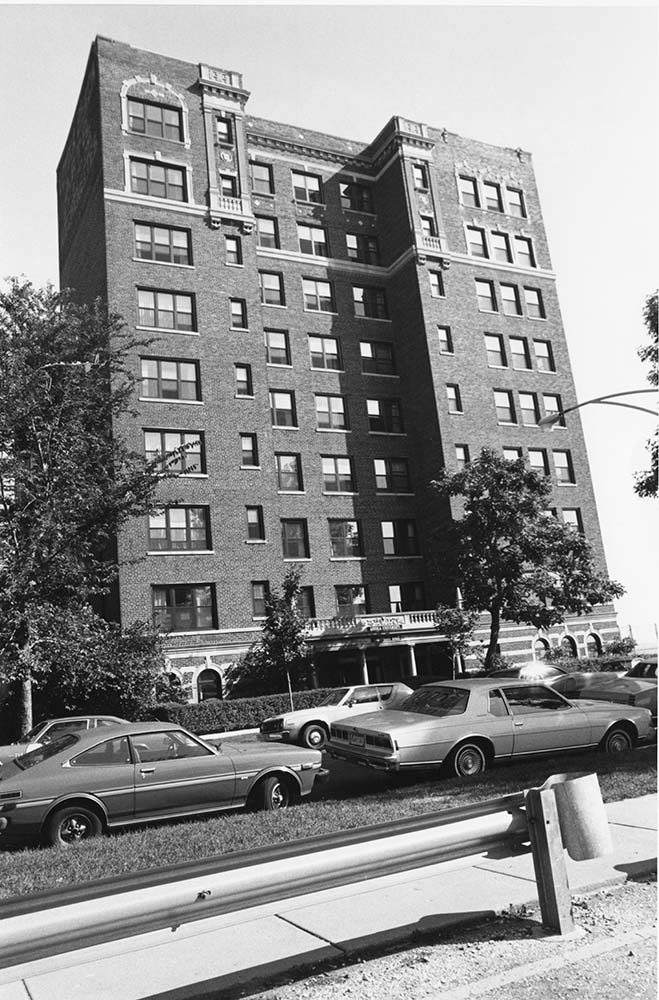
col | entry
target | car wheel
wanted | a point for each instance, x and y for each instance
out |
(617, 740)
(71, 825)
(272, 794)
(468, 760)
(313, 736)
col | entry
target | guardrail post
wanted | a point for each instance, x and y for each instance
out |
(549, 860)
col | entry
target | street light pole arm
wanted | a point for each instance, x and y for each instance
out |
(553, 418)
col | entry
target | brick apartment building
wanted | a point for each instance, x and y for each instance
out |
(334, 322)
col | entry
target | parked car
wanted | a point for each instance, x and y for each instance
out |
(536, 671)
(309, 727)
(609, 687)
(49, 729)
(82, 783)
(468, 724)
(645, 668)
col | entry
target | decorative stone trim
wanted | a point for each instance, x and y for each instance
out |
(152, 88)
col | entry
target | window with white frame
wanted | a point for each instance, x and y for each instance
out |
(356, 197)
(294, 538)
(563, 467)
(486, 296)
(519, 353)
(324, 352)
(307, 187)
(165, 244)
(436, 284)
(496, 352)
(476, 242)
(282, 408)
(249, 452)
(384, 416)
(500, 243)
(406, 597)
(362, 248)
(535, 308)
(492, 193)
(272, 288)
(158, 180)
(445, 339)
(399, 537)
(170, 378)
(505, 407)
(234, 250)
(392, 475)
(528, 405)
(420, 176)
(524, 251)
(552, 405)
(331, 413)
(572, 518)
(224, 127)
(181, 452)
(351, 600)
(510, 300)
(277, 349)
(260, 598)
(468, 187)
(158, 120)
(544, 356)
(377, 357)
(318, 295)
(238, 311)
(512, 454)
(338, 475)
(184, 607)
(243, 374)
(538, 461)
(255, 525)
(516, 204)
(369, 302)
(163, 310)
(261, 176)
(461, 456)
(313, 240)
(345, 539)
(267, 234)
(454, 398)
(179, 529)
(289, 472)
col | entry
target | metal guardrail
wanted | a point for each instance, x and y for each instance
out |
(546, 820)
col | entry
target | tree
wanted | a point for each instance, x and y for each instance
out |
(458, 627)
(67, 481)
(646, 483)
(509, 556)
(280, 658)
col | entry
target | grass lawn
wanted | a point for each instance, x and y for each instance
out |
(334, 807)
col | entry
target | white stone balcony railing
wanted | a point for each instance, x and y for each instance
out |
(431, 243)
(394, 622)
(234, 206)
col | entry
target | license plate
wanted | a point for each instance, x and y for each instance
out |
(356, 740)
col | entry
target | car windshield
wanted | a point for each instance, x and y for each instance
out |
(32, 734)
(334, 697)
(437, 701)
(37, 756)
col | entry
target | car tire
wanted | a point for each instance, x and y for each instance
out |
(271, 794)
(70, 825)
(468, 760)
(313, 736)
(617, 740)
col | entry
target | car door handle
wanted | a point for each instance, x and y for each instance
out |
(147, 770)
(518, 723)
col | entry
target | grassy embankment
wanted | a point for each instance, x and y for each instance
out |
(335, 806)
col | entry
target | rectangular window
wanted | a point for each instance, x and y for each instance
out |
(272, 288)
(524, 251)
(294, 538)
(485, 294)
(345, 541)
(338, 474)
(492, 192)
(516, 204)
(313, 240)
(461, 456)
(544, 356)
(277, 350)
(184, 607)
(420, 176)
(318, 295)
(406, 597)
(351, 601)
(528, 404)
(445, 340)
(224, 131)
(476, 243)
(377, 357)
(436, 284)
(500, 243)
(255, 526)
(228, 186)
(519, 352)
(510, 300)
(307, 187)
(535, 308)
(512, 454)
(563, 467)
(362, 248)
(157, 180)
(305, 602)
(496, 354)
(260, 596)
(356, 197)
(369, 302)
(179, 528)
(165, 310)
(181, 451)
(324, 352)
(234, 250)
(243, 380)
(399, 538)
(552, 404)
(289, 472)
(249, 452)
(428, 225)
(538, 461)
(164, 378)
(503, 402)
(331, 413)
(453, 398)
(384, 416)
(392, 475)
(572, 518)
(266, 232)
(156, 120)
(162, 243)
(261, 175)
(238, 309)
(282, 408)
(469, 191)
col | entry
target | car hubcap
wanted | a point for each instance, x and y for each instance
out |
(618, 743)
(75, 828)
(469, 762)
(278, 797)
(315, 738)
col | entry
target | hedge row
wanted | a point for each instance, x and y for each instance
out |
(215, 716)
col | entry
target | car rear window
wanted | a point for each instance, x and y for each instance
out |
(334, 697)
(437, 701)
(63, 742)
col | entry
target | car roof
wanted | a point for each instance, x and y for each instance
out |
(491, 681)
(76, 718)
(122, 729)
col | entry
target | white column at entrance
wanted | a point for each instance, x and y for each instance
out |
(364, 665)
(412, 658)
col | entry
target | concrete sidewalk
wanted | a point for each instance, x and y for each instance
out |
(223, 952)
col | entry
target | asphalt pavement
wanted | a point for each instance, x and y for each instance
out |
(246, 948)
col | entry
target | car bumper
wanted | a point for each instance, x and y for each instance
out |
(282, 737)
(376, 763)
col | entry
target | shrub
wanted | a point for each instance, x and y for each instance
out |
(215, 716)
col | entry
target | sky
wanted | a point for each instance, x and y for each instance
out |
(576, 86)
